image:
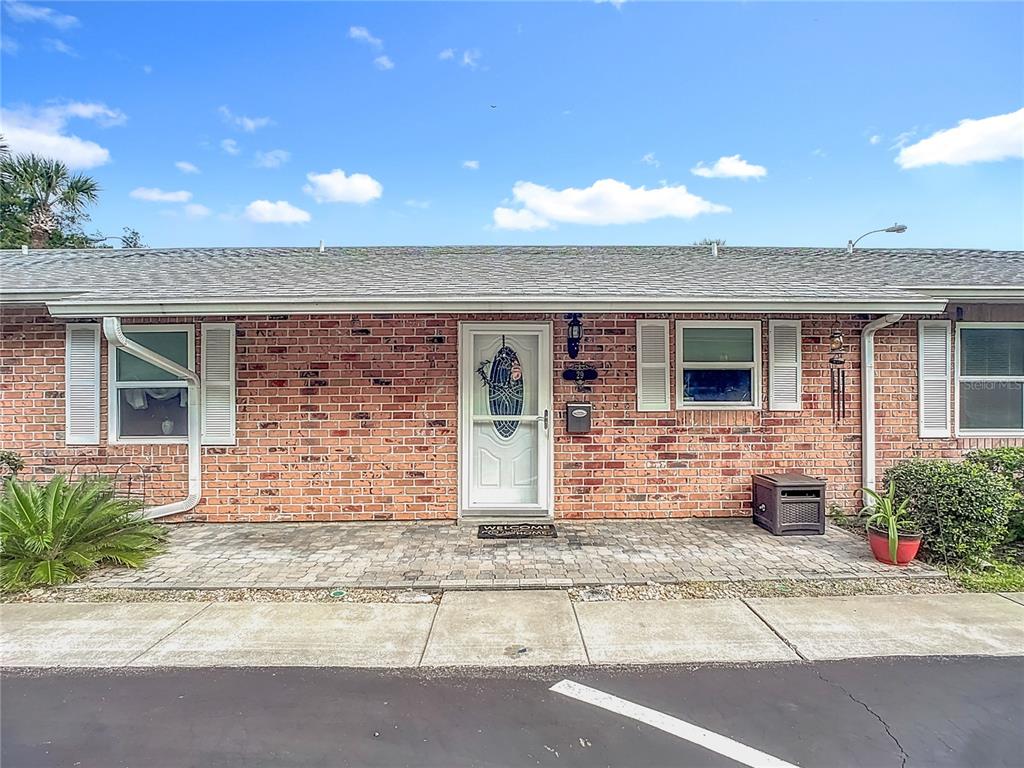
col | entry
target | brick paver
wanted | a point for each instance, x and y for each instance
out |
(444, 555)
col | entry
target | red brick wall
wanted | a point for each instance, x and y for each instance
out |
(355, 417)
(896, 390)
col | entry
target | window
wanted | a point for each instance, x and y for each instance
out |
(147, 404)
(718, 365)
(990, 378)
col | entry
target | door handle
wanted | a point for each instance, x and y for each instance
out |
(544, 418)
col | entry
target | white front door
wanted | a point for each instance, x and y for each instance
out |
(505, 393)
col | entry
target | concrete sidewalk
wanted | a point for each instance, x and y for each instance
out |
(489, 629)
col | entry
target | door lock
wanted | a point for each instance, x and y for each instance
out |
(544, 418)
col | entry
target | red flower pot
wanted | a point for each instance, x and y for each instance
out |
(906, 549)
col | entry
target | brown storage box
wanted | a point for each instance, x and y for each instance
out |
(789, 504)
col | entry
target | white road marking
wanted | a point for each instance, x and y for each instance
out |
(702, 737)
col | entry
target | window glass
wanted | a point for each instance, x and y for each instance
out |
(152, 411)
(718, 345)
(992, 351)
(991, 405)
(717, 386)
(486, 347)
(171, 344)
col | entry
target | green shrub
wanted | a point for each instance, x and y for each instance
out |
(1008, 462)
(962, 508)
(10, 463)
(53, 533)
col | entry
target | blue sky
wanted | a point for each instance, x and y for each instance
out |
(644, 123)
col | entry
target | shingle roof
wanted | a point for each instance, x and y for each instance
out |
(444, 274)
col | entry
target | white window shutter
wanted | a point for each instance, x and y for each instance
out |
(933, 376)
(652, 369)
(82, 384)
(218, 376)
(784, 387)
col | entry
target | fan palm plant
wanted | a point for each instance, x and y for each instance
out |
(51, 534)
(50, 191)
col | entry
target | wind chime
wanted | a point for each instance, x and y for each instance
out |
(837, 371)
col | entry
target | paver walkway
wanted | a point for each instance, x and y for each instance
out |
(448, 556)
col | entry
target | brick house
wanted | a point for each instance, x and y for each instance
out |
(271, 384)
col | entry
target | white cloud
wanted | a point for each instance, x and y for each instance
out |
(617, 3)
(383, 63)
(421, 204)
(650, 159)
(275, 158)
(989, 139)
(875, 139)
(30, 12)
(59, 46)
(8, 45)
(473, 165)
(147, 69)
(101, 113)
(903, 139)
(154, 195)
(469, 58)
(281, 212)
(197, 211)
(230, 146)
(247, 124)
(186, 167)
(606, 201)
(362, 33)
(524, 219)
(732, 167)
(819, 152)
(336, 187)
(43, 131)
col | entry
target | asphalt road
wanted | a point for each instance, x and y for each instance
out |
(871, 713)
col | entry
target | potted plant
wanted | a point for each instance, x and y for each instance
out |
(893, 536)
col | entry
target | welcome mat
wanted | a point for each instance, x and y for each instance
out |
(517, 531)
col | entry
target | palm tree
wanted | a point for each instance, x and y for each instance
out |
(49, 190)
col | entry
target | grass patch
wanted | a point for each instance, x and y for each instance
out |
(1001, 577)
(1005, 574)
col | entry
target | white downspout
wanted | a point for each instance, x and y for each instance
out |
(112, 330)
(867, 397)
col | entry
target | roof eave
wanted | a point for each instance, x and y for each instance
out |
(35, 296)
(981, 294)
(911, 304)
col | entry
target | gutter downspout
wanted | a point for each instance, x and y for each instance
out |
(867, 396)
(112, 330)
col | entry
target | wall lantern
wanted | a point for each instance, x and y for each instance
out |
(574, 334)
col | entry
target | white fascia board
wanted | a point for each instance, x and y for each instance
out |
(34, 297)
(912, 304)
(981, 294)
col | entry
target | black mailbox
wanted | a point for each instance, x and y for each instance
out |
(577, 418)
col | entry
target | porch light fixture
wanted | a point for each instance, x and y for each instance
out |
(898, 229)
(574, 334)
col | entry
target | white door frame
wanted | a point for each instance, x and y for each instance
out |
(546, 455)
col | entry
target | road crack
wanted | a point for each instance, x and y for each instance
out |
(903, 753)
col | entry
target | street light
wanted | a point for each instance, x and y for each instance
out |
(898, 229)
